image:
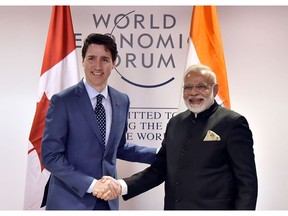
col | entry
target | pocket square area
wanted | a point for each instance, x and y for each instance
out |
(211, 136)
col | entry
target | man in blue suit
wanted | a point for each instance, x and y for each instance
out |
(72, 147)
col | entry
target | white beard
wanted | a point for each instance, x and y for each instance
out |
(198, 108)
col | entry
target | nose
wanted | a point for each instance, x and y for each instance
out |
(194, 90)
(97, 64)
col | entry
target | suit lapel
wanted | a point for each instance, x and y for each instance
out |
(115, 104)
(87, 111)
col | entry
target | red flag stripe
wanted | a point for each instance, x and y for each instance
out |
(59, 44)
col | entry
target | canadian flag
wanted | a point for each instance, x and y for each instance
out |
(205, 47)
(59, 71)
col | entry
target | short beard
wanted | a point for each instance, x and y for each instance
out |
(200, 108)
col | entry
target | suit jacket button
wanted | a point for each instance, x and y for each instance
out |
(180, 165)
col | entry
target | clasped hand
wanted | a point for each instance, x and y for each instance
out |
(107, 188)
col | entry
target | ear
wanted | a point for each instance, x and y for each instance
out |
(215, 89)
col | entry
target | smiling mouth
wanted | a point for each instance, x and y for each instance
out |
(195, 100)
(96, 73)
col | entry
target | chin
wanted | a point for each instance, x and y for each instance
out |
(195, 108)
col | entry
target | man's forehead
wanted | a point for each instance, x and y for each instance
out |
(197, 74)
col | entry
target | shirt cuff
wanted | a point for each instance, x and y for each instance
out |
(90, 189)
(124, 186)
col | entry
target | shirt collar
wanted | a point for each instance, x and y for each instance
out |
(206, 113)
(93, 92)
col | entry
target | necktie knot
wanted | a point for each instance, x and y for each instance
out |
(99, 98)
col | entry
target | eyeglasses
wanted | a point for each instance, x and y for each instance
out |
(201, 87)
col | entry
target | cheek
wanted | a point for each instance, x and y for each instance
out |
(107, 71)
(207, 94)
(185, 96)
(85, 64)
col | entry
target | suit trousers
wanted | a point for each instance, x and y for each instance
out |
(101, 205)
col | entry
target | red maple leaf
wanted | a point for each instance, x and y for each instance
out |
(38, 124)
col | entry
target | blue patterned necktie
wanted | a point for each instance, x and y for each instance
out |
(101, 117)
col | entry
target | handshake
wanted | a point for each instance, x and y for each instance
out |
(107, 188)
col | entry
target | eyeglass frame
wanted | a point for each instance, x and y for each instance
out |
(200, 87)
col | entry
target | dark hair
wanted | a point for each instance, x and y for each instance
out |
(100, 39)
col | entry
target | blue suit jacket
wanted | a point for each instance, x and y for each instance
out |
(72, 150)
